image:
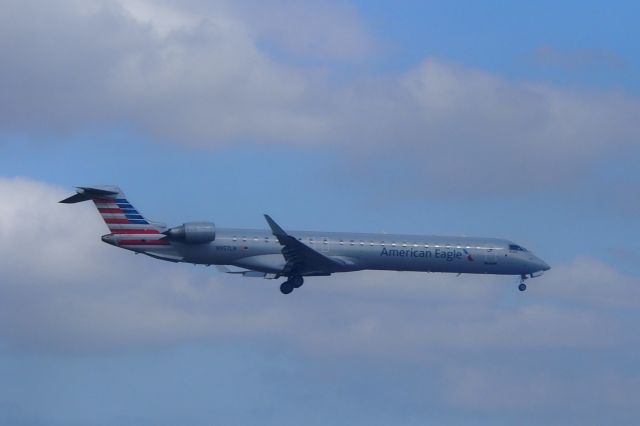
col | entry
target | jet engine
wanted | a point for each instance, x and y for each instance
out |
(193, 233)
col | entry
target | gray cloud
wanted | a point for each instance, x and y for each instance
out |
(199, 73)
(462, 131)
(63, 290)
(310, 30)
(196, 68)
(119, 294)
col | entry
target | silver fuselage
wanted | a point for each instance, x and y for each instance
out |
(259, 250)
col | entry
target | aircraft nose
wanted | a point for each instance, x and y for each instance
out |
(536, 264)
(544, 266)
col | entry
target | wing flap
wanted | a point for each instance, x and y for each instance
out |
(245, 272)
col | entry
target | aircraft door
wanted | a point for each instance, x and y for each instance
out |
(490, 257)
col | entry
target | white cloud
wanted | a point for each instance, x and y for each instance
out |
(160, 16)
(188, 72)
(593, 283)
(456, 131)
(308, 29)
(63, 290)
(199, 73)
(58, 277)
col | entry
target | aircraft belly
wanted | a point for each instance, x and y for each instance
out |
(271, 263)
(213, 254)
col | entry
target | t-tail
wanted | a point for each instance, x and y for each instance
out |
(129, 228)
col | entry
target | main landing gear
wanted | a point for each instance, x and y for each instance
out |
(293, 282)
(522, 286)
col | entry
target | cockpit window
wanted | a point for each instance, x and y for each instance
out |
(515, 247)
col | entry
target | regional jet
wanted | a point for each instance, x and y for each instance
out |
(293, 255)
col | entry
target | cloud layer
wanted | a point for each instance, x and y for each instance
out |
(64, 291)
(220, 73)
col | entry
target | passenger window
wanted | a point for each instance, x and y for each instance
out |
(361, 243)
(235, 238)
(341, 242)
(351, 242)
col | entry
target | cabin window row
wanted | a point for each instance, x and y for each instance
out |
(363, 243)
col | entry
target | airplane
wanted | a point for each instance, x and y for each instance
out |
(293, 255)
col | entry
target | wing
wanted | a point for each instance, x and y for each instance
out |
(301, 259)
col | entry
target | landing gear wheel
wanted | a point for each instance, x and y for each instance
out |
(286, 287)
(296, 281)
(522, 287)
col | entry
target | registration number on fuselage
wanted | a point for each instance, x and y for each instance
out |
(226, 248)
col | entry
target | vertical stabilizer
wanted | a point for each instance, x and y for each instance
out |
(117, 212)
(129, 228)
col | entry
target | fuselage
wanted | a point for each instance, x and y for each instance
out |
(259, 250)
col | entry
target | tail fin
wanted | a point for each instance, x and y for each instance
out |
(117, 212)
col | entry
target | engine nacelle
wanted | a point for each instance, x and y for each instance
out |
(193, 233)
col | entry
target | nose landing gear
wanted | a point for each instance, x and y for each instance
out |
(522, 286)
(293, 282)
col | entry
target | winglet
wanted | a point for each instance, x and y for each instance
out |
(275, 228)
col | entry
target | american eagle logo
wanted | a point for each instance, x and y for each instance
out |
(469, 257)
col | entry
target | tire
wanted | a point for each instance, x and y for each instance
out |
(522, 287)
(286, 287)
(296, 281)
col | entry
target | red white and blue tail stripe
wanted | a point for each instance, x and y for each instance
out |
(129, 228)
(121, 217)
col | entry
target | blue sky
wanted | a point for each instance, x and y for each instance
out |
(503, 36)
(487, 118)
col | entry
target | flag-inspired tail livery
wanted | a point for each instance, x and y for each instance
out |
(277, 253)
(129, 229)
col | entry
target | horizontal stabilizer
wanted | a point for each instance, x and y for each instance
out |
(76, 198)
(88, 193)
